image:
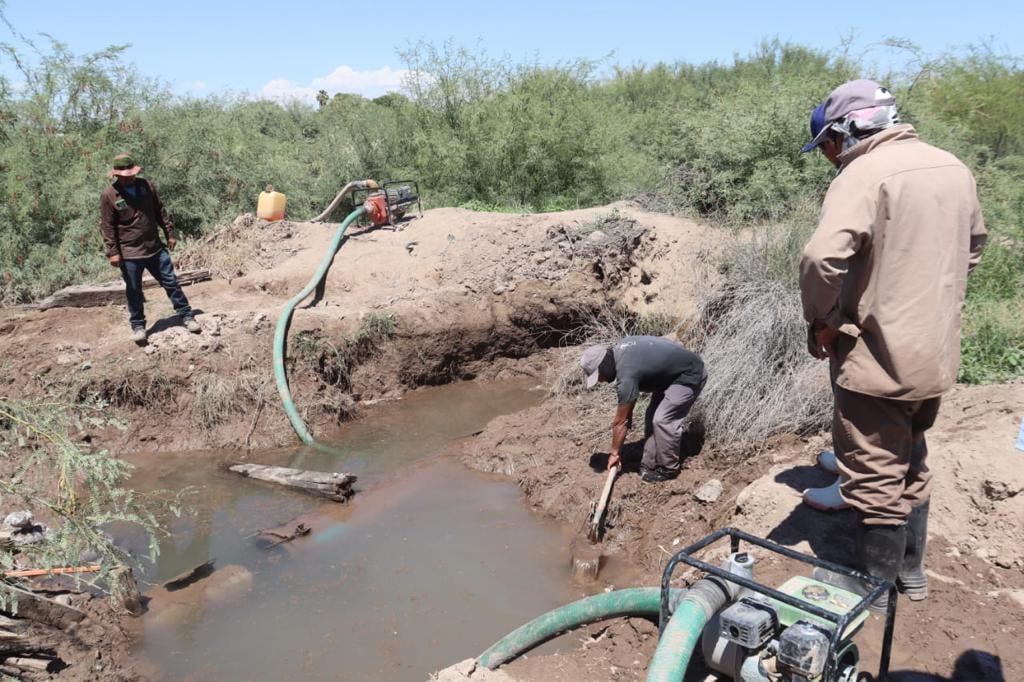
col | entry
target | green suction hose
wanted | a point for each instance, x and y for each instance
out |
(285, 321)
(677, 643)
(683, 631)
(635, 601)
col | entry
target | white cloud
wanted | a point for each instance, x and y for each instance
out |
(197, 85)
(373, 83)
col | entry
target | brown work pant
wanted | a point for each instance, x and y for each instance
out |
(881, 451)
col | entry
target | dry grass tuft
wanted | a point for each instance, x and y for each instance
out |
(128, 387)
(761, 381)
(217, 397)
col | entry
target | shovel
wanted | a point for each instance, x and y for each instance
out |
(586, 554)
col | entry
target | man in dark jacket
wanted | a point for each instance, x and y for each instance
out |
(672, 375)
(130, 212)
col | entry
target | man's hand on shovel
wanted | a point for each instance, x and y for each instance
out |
(614, 461)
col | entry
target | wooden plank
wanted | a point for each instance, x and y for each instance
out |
(91, 295)
(36, 665)
(41, 609)
(333, 486)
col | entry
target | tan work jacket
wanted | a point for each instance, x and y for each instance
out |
(900, 229)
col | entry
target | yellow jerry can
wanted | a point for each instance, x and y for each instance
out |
(271, 204)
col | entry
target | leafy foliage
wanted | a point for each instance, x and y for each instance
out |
(76, 491)
(716, 141)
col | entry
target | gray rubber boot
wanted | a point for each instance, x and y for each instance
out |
(912, 580)
(880, 551)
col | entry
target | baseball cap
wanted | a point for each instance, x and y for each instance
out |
(848, 97)
(591, 363)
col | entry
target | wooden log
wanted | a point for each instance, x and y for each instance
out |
(333, 486)
(91, 295)
(35, 665)
(128, 591)
(38, 608)
(12, 624)
(183, 580)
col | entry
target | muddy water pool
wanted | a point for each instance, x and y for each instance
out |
(428, 564)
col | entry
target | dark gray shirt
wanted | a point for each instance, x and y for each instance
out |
(650, 364)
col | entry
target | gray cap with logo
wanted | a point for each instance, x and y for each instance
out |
(868, 105)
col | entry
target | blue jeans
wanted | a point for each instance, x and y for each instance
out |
(159, 265)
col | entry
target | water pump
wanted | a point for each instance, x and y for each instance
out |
(801, 631)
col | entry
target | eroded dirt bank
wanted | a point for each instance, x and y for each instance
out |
(453, 295)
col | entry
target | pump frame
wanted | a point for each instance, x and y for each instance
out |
(841, 622)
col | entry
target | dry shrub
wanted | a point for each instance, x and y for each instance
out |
(128, 387)
(750, 331)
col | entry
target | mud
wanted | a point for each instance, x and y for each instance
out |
(359, 597)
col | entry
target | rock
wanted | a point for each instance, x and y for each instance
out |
(710, 491)
(597, 236)
(539, 258)
(19, 519)
(86, 366)
(744, 498)
(997, 491)
(499, 290)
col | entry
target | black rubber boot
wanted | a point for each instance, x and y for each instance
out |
(912, 580)
(880, 551)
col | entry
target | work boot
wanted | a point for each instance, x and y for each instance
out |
(827, 499)
(880, 551)
(657, 474)
(192, 325)
(139, 336)
(827, 462)
(912, 580)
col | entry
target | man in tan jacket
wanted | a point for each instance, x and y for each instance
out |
(882, 282)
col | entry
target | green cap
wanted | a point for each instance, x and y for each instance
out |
(125, 166)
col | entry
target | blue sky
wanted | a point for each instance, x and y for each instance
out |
(278, 50)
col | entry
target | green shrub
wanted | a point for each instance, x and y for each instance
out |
(993, 343)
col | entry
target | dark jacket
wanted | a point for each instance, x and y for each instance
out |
(129, 224)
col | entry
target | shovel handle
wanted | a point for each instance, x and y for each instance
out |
(602, 501)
